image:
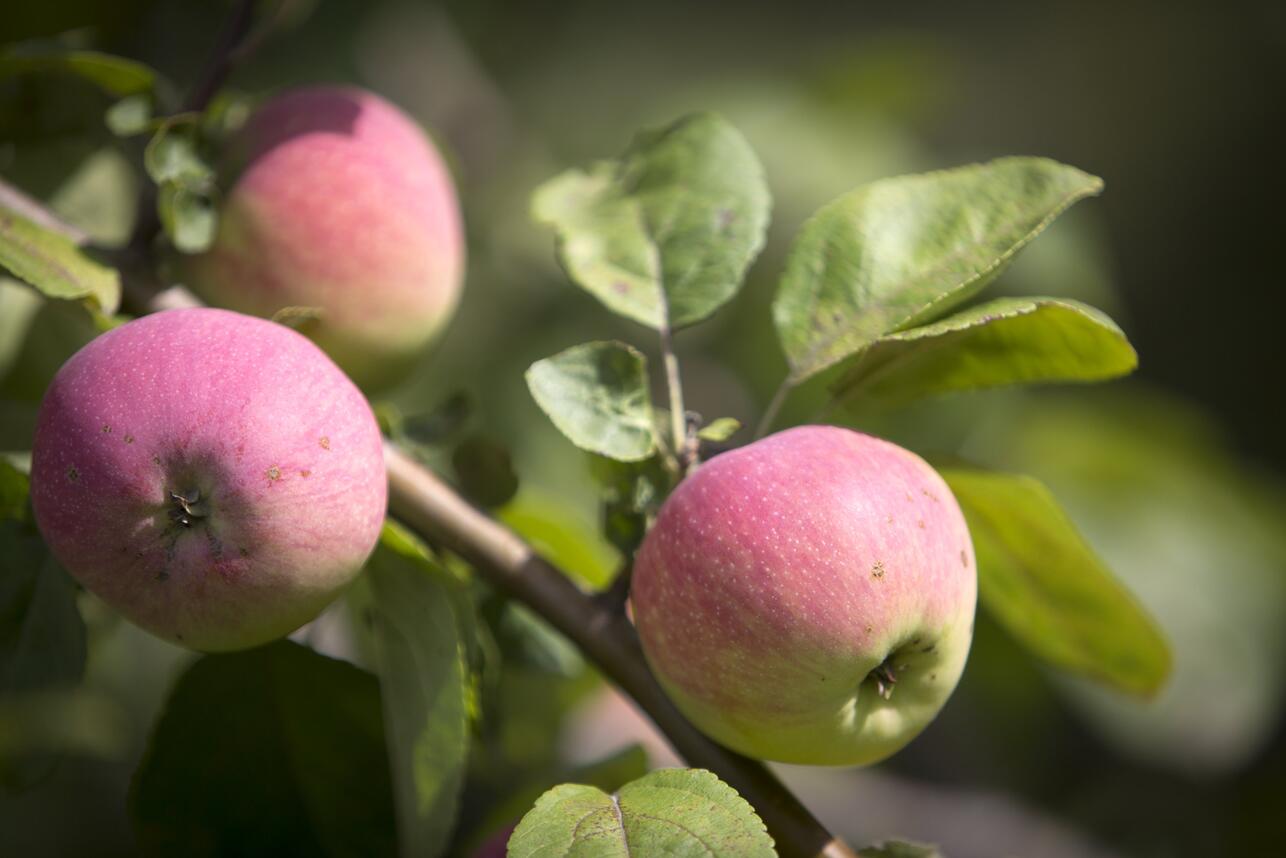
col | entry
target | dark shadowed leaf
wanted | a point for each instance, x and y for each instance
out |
(115, 75)
(1001, 342)
(903, 251)
(419, 631)
(54, 264)
(664, 234)
(597, 395)
(678, 812)
(319, 783)
(1045, 585)
(485, 471)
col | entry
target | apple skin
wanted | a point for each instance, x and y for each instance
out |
(280, 445)
(343, 204)
(779, 576)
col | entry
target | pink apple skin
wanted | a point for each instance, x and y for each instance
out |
(342, 203)
(276, 451)
(780, 575)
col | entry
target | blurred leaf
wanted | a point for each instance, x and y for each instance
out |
(42, 636)
(130, 116)
(189, 217)
(666, 812)
(186, 192)
(664, 234)
(1001, 342)
(597, 395)
(319, 782)
(900, 849)
(720, 429)
(115, 75)
(632, 493)
(558, 532)
(38, 728)
(1041, 581)
(424, 682)
(297, 318)
(527, 639)
(14, 488)
(445, 419)
(54, 264)
(485, 471)
(902, 251)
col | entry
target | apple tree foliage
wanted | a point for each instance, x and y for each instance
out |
(877, 305)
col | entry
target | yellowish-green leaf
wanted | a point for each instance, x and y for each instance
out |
(1044, 584)
(54, 264)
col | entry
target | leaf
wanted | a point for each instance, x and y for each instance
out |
(115, 75)
(186, 192)
(297, 318)
(719, 430)
(422, 658)
(190, 217)
(42, 636)
(900, 849)
(485, 471)
(54, 265)
(1006, 341)
(676, 812)
(664, 234)
(597, 395)
(131, 115)
(1045, 585)
(902, 251)
(271, 751)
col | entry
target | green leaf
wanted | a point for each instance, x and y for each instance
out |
(485, 471)
(424, 679)
(42, 636)
(53, 263)
(597, 395)
(186, 192)
(903, 251)
(131, 115)
(900, 849)
(1006, 341)
(664, 234)
(678, 812)
(719, 430)
(189, 216)
(115, 75)
(272, 751)
(1045, 585)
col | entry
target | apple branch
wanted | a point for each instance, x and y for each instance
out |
(605, 635)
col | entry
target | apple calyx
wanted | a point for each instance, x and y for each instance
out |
(188, 507)
(885, 677)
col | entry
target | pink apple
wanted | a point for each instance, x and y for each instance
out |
(212, 476)
(342, 204)
(809, 598)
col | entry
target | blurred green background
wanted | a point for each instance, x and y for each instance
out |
(1174, 475)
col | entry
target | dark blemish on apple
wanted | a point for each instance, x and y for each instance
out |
(216, 546)
(107, 430)
(178, 637)
(915, 641)
(273, 473)
(920, 524)
(129, 439)
(888, 519)
(325, 442)
(162, 575)
(928, 649)
(72, 474)
(932, 676)
(244, 552)
(877, 571)
(305, 474)
(156, 460)
(869, 629)
(909, 496)
(964, 558)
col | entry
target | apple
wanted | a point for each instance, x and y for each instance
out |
(808, 598)
(340, 203)
(212, 476)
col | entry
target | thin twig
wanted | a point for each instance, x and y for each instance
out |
(770, 413)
